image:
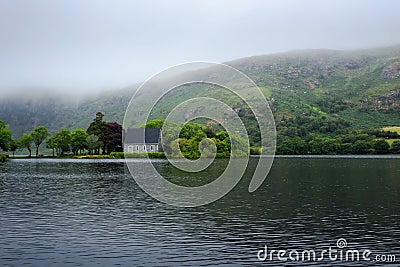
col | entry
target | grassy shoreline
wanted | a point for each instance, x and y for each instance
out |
(113, 155)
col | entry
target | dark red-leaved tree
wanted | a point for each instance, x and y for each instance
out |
(112, 137)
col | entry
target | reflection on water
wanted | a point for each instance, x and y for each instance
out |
(78, 212)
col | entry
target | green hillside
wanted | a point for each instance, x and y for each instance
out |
(362, 86)
(311, 92)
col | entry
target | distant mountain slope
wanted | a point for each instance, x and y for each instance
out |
(24, 114)
(361, 86)
(344, 83)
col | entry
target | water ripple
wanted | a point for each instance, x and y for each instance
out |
(90, 213)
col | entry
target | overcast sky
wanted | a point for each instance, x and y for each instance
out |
(82, 46)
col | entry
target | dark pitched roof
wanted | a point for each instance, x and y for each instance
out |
(135, 135)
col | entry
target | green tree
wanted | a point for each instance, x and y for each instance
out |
(26, 142)
(13, 146)
(97, 127)
(192, 130)
(362, 147)
(169, 135)
(330, 146)
(346, 148)
(223, 146)
(51, 143)
(92, 143)
(39, 135)
(222, 135)
(239, 146)
(292, 146)
(395, 149)
(324, 146)
(78, 140)
(381, 146)
(5, 136)
(175, 145)
(62, 141)
(188, 147)
(192, 148)
(154, 124)
(208, 148)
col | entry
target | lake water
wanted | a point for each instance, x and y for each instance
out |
(91, 212)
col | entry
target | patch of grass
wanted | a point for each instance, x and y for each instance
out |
(372, 119)
(266, 91)
(121, 155)
(315, 109)
(391, 141)
(91, 157)
(392, 129)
